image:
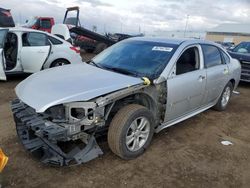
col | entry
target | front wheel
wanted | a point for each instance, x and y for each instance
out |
(224, 98)
(131, 131)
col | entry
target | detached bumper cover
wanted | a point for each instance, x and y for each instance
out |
(42, 140)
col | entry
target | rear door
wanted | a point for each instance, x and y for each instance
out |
(217, 71)
(35, 51)
(3, 33)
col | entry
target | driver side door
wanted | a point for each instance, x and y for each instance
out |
(186, 85)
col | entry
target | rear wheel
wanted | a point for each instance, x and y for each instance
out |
(131, 131)
(59, 62)
(224, 98)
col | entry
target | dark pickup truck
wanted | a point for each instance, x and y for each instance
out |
(242, 53)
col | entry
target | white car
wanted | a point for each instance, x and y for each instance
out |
(28, 51)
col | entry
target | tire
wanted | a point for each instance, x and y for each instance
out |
(59, 62)
(224, 99)
(122, 127)
(100, 47)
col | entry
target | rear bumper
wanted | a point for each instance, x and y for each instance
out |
(46, 142)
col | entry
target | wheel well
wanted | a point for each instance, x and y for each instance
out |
(57, 60)
(233, 82)
(138, 98)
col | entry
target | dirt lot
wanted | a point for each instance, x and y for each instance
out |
(186, 155)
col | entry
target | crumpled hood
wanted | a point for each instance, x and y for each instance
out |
(70, 83)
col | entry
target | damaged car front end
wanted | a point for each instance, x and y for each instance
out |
(127, 93)
(66, 134)
(60, 128)
(47, 136)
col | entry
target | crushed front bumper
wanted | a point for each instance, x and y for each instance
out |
(46, 142)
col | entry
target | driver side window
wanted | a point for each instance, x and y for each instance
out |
(188, 61)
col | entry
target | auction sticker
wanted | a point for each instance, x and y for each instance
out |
(161, 48)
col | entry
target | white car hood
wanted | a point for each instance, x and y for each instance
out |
(70, 83)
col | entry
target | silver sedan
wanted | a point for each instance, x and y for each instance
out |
(130, 91)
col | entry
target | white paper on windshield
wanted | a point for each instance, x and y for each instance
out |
(161, 48)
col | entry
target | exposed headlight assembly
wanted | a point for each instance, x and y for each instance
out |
(80, 111)
(56, 113)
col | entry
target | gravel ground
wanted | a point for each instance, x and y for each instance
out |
(186, 155)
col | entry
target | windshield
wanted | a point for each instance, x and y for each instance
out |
(71, 21)
(243, 47)
(45, 23)
(136, 58)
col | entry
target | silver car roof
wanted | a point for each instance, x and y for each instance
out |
(176, 41)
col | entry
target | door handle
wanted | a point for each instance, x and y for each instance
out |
(201, 78)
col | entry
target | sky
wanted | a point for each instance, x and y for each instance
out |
(152, 17)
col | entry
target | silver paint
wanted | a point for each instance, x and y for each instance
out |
(70, 83)
(186, 95)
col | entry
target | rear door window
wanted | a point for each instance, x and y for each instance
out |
(35, 39)
(54, 41)
(212, 56)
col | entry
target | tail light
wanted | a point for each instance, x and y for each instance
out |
(76, 49)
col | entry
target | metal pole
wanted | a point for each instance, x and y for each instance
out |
(186, 26)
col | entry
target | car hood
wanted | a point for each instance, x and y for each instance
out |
(240, 56)
(70, 83)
